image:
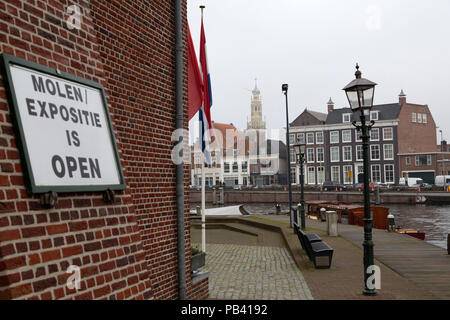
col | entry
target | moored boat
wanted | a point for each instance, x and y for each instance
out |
(411, 232)
(351, 213)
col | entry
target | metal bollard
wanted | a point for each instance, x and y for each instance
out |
(214, 196)
(390, 222)
(277, 209)
(377, 195)
(222, 196)
(332, 224)
(323, 216)
(448, 243)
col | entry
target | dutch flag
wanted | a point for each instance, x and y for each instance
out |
(205, 110)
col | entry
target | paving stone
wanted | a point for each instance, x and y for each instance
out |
(254, 272)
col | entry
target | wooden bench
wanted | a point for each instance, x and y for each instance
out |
(319, 252)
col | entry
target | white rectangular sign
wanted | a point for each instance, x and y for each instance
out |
(65, 131)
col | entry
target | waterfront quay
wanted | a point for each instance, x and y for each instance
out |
(410, 268)
(232, 196)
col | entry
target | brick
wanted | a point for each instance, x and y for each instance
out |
(12, 263)
(7, 250)
(93, 246)
(78, 226)
(72, 251)
(51, 255)
(102, 291)
(34, 259)
(42, 285)
(9, 235)
(57, 229)
(33, 232)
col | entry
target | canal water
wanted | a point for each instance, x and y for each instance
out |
(433, 220)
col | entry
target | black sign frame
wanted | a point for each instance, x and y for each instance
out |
(6, 61)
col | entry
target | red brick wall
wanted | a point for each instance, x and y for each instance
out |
(416, 137)
(128, 249)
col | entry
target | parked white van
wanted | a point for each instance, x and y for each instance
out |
(441, 180)
(411, 182)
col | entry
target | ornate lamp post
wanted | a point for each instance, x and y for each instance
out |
(360, 93)
(284, 88)
(300, 149)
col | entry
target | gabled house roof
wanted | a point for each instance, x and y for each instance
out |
(386, 112)
(319, 116)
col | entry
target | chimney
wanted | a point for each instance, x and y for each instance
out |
(330, 105)
(402, 97)
(444, 146)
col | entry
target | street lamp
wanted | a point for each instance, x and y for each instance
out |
(360, 93)
(284, 88)
(300, 149)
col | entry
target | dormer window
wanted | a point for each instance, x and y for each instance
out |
(346, 117)
(374, 115)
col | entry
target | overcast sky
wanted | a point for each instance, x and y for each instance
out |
(313, 45)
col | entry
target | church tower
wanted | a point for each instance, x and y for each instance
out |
(256, 122)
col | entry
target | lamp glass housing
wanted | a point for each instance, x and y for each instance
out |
(360, 92)
(300, 149)
(360, 97)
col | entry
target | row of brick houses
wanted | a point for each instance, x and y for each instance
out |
(402, 144)
(242, 158)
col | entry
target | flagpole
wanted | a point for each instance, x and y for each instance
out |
(203, 208)
(203, 182)
(202, 7)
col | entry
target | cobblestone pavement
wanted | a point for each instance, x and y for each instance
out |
(254, 272)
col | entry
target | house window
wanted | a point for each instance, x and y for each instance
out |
(319, 137)
(408, 161)
(414, 117)
(359, 153)
(320, 157)
(310, 155)
(293, 175)
(358, 135)
(419, 118)
(301, 138)
(320, 175)
(375, 152)
(235, 152)
(424, 118)
(311, 175)
(423, 160)
(389, 173)
(346, 117)
(375, 134)
(388, 134)
(347, 136)
(348, 174)
(334, 137)
(334, 152)
(291, 139)
(292, 156)
(388, 152)
(374, 115)
(235, 167)
(226, 167)
(347, 153)
(376, 174)
(335, 174)
(310, 138)
(244, 166)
